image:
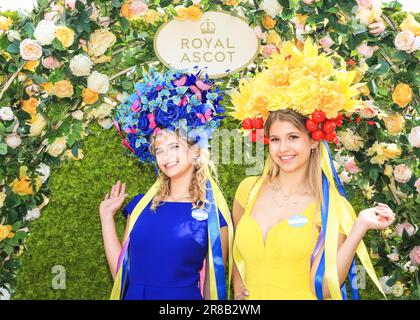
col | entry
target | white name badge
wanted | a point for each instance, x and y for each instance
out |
(297, 221)
(199, 214)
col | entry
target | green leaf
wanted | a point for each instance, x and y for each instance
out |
(124, 24)
(116, 3)
(58, 45)
(38, 79)
(373, 174)
(13, 48)
(3, 149)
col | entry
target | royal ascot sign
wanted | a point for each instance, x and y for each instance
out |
(218, 43)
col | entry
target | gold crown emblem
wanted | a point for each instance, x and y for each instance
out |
(208, 27)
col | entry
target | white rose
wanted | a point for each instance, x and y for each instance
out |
(394, 257)
(13, 35)
(6, 114)
(271, 7)
(98, 82)
(365, 50)
(344, 177)
(13, 141)
(364, 15)
(104, 110)
(80, 65)
(32, 214)
(4, 294)
(402, 173)
(397, 289)
(414, 137)
(44, 171)
(407, 41)
(383, 280)
(350, 140)
(78, 115)
(45, 32)
(57, 147)
(106, 123)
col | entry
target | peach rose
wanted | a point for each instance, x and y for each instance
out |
(376, 28)
(30, 105)
(402, 173)
(394, 123)
(100, 41)
(50, 62)
(407, 41)
(402, 95)
(57, 147)
(351, 166)
(268, 22)
(133, 8)
(417, 185)
(63, 89)
(30, 50)
(194, 13)
(367, 51)
(368, 111)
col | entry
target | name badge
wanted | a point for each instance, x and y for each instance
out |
(297, 221)
(199, 214)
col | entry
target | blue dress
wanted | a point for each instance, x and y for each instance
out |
(167, 249)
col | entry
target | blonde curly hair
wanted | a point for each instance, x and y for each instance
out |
(202, 164)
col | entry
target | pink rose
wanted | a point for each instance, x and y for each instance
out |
(414, 137)
(71, 4)
(364, 3)
(369, 111)
(415, 256)
(269, 49)
(407, 41)
(351, 166)
(377, 28)
(104, 21)
(417, 185)
(52, 16)
(402, 173)
(394, 257)
(50, 63)
(367, 51)
(326, 43)
(138, 8)
(30, 50)
(407, 226)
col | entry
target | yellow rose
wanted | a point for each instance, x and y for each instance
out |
(273, 37)
(37, 123)
(391, 151)
(48, 87)
(402, 95)
(194, 13)
(268, 22)
(233, 3)
(31, 65)
(394, 123)
(2, 199)
(69, 155)
(364, 90)
(181, 13)
(410, 24)
(100, 41)
(57, 147)
(23, 185)
(5, 23)
(65, 35)
(30, 105)
(4, 232)
(151, 16)
(90, 96)
(63, 89)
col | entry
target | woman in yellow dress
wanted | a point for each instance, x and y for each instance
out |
(296, 234)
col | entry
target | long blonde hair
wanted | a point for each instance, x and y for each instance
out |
(202, 165)
(315, 171)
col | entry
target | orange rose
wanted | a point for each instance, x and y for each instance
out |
(402, 95)
(31, 65)
(30, 105)
(63, 89)
(23, 185)
(268, 22)
(395, 123)
(194, 13)
(90, 96)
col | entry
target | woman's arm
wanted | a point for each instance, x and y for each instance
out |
(240, 292)
(107, 210)
(379, 217)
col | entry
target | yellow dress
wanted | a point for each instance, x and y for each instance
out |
(279, 268)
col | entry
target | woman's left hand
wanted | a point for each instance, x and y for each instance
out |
(379, 217)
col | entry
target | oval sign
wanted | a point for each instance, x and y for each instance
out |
(218, 43)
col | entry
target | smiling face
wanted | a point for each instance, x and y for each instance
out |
(174, 156)
(289, 147)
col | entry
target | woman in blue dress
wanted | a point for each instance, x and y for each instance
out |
(165, 252)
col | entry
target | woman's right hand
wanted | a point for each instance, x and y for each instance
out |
(242, 294)
(112, 201)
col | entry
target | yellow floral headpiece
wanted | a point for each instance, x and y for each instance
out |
(301, 80)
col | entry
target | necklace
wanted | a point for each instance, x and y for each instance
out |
(284, 197)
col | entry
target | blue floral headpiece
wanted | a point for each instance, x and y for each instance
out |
(171, 100)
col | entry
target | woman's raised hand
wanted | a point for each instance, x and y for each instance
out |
(379, 217)
(113, 201)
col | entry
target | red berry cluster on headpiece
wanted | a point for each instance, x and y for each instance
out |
(322, 128)
(254, 124)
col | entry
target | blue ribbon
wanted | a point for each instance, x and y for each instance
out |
(216, 243)
(321, 268)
